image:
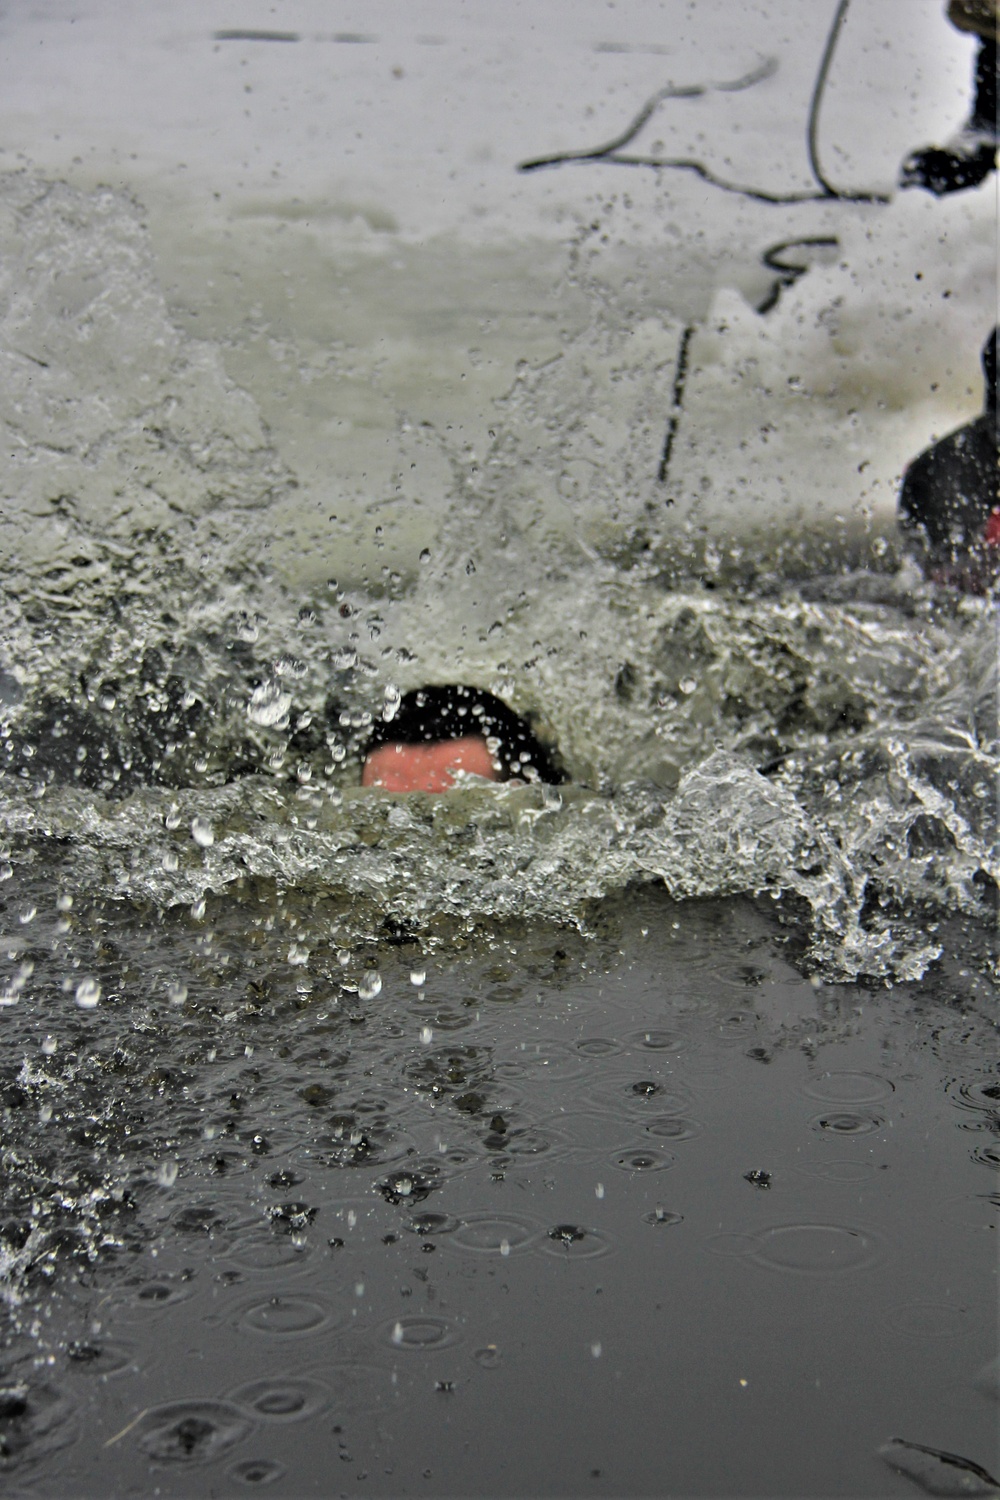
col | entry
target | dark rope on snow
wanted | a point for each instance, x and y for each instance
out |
(612, 152)
(680, 378)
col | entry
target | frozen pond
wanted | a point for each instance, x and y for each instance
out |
(633, 1135)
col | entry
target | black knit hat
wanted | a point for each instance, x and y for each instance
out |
(430, 715)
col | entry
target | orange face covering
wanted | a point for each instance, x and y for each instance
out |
(429, 767)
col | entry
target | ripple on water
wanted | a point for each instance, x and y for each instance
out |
(847, 1122)
(543, 1060)
(657, 1039)
(421, 1333)
(640, 1094)
(156, 1296)
(815, 1249)
(929, 1320)
(284, 1317)
(598, 1046)
(673, 1128)
(495, 1234)
(98, 1357)
(41, 1422)
(431, 1224)
(191, 1431)
(841, 1170)
(663, 1217)
(988, 1154)
(976, 1093)
(282, 1398)
(573, 1242)
(848, 1088)
(256, 1471)
(642, 1159)
(262, 1250)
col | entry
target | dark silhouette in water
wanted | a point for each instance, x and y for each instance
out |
(501, 744)
(949, 494)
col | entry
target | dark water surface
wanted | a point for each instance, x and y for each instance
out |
(644, 1212)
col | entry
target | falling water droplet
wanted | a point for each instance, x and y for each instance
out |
(202, 832)
(371, 985)
(418, 976)
(88, 993)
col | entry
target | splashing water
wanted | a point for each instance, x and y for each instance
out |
(177, 719)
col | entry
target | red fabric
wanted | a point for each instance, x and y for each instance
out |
(427, 768)
(991, 536)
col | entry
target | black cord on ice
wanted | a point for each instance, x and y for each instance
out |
(789, 271)
(680, 377)
(669, 91)
(612, 152)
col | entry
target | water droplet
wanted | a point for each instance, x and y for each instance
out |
(422, 1333)
(202, 832)
(426, 1035)
(298, 954)
(417, 977)
(596, 1349)
(172, 819)
(27, 915)
(50, 1046)
(64, 902)
(170, 861)
(166, 1174)
(269, 706)
(88, 993)
(687, 685)
(370, 985)
(663, 1216)
(198, 908)
(6, 869)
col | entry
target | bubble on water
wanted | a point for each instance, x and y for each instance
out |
(269, 706)
(88, 993)
(177, 993)
(370, 985)
(202, 832)
(688, 685)
(170, 861)
(418, 977)
(166, 1174)
(488, 1357)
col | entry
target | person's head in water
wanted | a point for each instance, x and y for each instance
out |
(438, 732)
(949, 496)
